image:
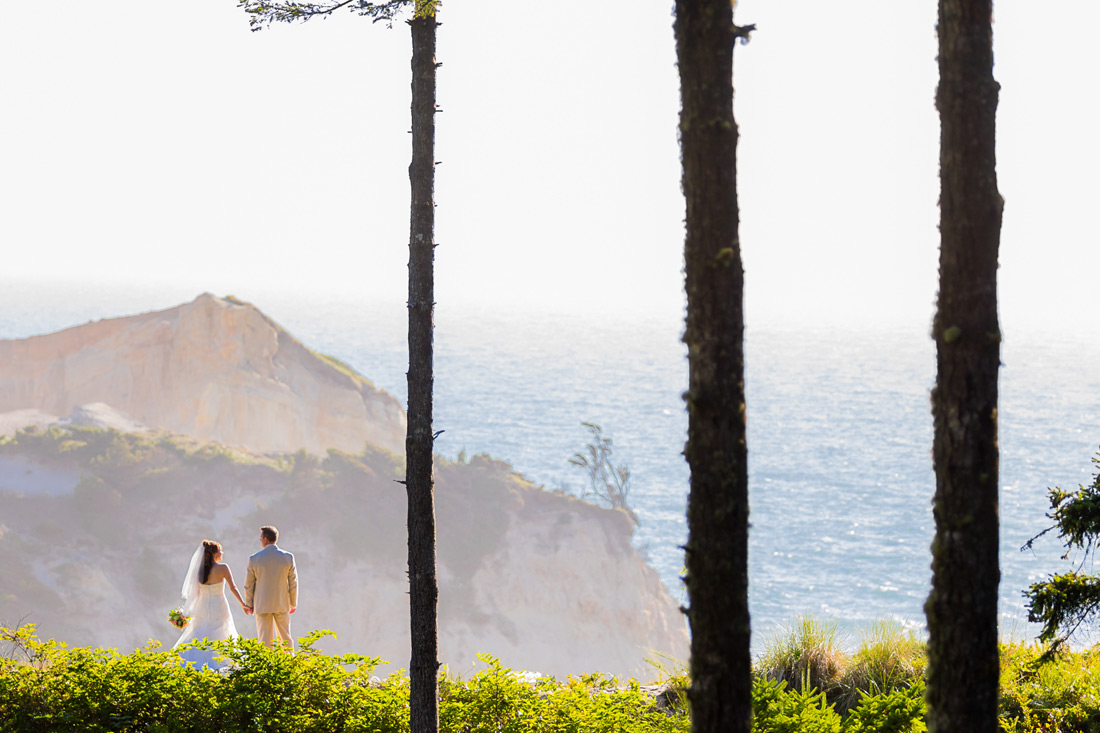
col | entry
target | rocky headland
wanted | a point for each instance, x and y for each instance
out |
(216, 369)
(100, 511)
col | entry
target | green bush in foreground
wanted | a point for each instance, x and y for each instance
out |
(777, 708)
(46, 686)
(1062, 694)
(889, 658)
(880, 687)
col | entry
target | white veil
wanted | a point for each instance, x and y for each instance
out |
(190, 590)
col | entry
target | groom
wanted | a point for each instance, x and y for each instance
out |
(271, 589)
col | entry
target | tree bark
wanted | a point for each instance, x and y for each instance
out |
(962, 607)
(717, 547)
(423, 588)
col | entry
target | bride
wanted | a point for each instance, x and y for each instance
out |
(205, 602)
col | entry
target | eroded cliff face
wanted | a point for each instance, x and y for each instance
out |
(217, 369)
(101, 510)
(541, 580)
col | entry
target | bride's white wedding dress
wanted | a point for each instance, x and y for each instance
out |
(210, 619)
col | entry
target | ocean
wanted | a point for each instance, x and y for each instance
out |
(839, 431)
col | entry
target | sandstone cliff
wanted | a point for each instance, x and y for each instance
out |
(96, 528)
(217, 369)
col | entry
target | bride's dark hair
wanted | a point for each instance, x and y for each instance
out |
(210, 548)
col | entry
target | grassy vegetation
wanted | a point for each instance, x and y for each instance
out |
(805, 682)
(341, 367)
(887, 658)
(807, 652)
(45, 686)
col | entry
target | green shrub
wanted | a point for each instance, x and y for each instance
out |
(778, 709)
(899, 710)
(1042, 693)
(493, 700)
(598, 704)
(46, 687)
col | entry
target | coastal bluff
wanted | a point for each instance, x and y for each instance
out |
(215, 369)
(97, 527)
(208, 420)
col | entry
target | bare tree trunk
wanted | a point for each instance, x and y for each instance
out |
(423, 589)
(717, 514)
(962, 608)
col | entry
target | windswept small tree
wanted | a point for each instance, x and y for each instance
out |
(1064, 602)
(606, 481)
(419, 440)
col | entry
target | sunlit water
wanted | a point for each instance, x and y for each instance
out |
(840, 432)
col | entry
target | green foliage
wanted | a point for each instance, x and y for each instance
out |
(493, 700)
(1041, 691)
(1062, 602)
(342, 367)
(120, 457)
(899, 710)
(45, 686)
(1065, 601)
(777, 709)
(878, 688)
(594, 703)
(262, 13)
(1077, 514)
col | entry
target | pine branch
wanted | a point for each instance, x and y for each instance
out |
(263, 13)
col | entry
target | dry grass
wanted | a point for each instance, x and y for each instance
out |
(889, 658)
(807, 653)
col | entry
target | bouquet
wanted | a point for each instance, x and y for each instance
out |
(177, 619)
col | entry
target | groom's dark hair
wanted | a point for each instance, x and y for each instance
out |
(270, 533)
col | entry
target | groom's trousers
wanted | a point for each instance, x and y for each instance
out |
(270, 624)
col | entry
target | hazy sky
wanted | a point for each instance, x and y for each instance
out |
(164, 144)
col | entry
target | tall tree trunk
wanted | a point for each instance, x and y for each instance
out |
(423, 589)
(717, 513)
(962, 607)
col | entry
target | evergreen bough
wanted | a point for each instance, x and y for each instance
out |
(1063, 602)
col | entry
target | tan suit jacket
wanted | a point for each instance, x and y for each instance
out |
(271, 585)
